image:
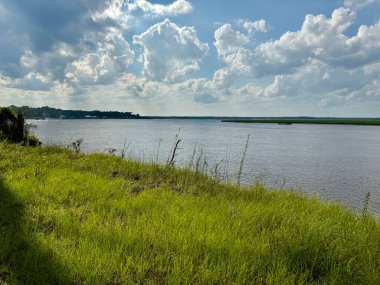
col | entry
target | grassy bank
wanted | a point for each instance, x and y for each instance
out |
(310, 121)
(69, 218)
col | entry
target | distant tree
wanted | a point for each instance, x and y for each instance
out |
(47, 112)
(11, 126)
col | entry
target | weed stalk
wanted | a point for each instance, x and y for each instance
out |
(242, 161)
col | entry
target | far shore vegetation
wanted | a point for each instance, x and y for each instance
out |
(73, 218)
(52, 113)
(334, 121)
(42, 113)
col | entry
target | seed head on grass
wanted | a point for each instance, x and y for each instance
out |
(242, 161)
(173, 151)
(365, 205)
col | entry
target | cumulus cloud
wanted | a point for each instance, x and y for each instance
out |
(65, 42)
(170, 52)
(228, 41)
(104, 66)
(32, 81)
(65, 48)
(333, 85)
(358, 4)
(231, 46)
(317, 60)
(178, 7)
(44, 23)
(253, 27)
(112, 10)
(317, 78)
(319, 38)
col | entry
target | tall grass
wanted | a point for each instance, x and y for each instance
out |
(173, 152)
(242, 161)
(66, 219)
(365, 204)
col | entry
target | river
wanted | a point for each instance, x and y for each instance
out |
(335, 162)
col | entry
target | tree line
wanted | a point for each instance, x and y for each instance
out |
(52, 113)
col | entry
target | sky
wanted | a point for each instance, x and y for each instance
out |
(193, 57)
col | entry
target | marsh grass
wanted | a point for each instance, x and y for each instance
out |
(366, 122)
(173, 152)
(241, 165)
(365, 204)
(66, 219)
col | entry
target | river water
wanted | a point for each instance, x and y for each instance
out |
(335, 162)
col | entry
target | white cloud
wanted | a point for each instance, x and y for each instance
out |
(333, 101)
(178, 7)
(228, 41)
(170, 52)
(104, 66)
(29, 60)
(231, 47)
(253, 27)
(318, 60)
(85, 52)
(32, 81)
(319, 38)
(358, 4)
(76, 37)
(372, 69)
(112, 10)
(332, 85)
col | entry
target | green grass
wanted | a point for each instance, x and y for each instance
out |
(68, 218)
(311, 121)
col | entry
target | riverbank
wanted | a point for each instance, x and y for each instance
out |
(70, 218)
(365, 122)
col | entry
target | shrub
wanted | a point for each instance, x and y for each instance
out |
(14, 129)
(11, 126)
(32, 141)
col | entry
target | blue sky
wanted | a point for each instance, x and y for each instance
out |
(183, 57)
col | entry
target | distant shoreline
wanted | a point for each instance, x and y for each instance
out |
(315, 121)
(48, 113)
(365, 122)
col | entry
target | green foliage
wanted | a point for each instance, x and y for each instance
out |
(47, 112)
(76, 145)
(70, 218)
(14, 129)
(33, 141)
(365, 204)
(369, 122)
(11, 126)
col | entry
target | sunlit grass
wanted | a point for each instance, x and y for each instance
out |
(69, 218)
